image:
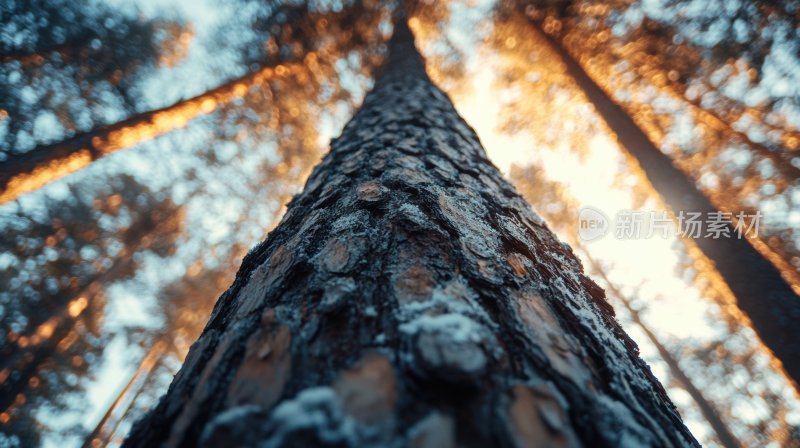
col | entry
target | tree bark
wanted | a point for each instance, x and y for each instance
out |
(411, 297)
(761, 292)
(709, 411)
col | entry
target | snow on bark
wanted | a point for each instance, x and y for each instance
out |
(410, 296)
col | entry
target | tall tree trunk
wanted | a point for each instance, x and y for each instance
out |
(411, 297)
(761, 292)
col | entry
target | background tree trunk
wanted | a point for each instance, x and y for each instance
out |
(411, 297)
(28, 171)
(762, 293)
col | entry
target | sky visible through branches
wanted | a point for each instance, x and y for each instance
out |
(109, 274)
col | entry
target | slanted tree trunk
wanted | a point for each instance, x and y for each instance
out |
(25, 172)
(761, 292)
(410, 297)
(28, 171)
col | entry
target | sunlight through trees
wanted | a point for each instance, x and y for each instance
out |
(147, 147)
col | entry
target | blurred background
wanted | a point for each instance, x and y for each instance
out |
(146, 145)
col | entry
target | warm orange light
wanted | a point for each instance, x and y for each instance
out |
(77, 306)
(537, 87)
(159, 123)
(45, 330)
(240, 89)
(208, 105)
(42, 175)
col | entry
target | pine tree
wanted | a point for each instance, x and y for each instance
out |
(411, 297)
(761, 292)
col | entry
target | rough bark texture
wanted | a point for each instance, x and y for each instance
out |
(761, 291)
(410, 297)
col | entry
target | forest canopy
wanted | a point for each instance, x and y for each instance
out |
(146, 147)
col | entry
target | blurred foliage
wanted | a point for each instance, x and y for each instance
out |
(56, 262)
(70, 66)
(162, 228)
(712, 83)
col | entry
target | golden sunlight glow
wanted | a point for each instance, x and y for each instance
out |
(482, 112)
(592, 177)
(77, 306)
(128, 134)
(166, 243)
(705, 119)
(42, 175)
